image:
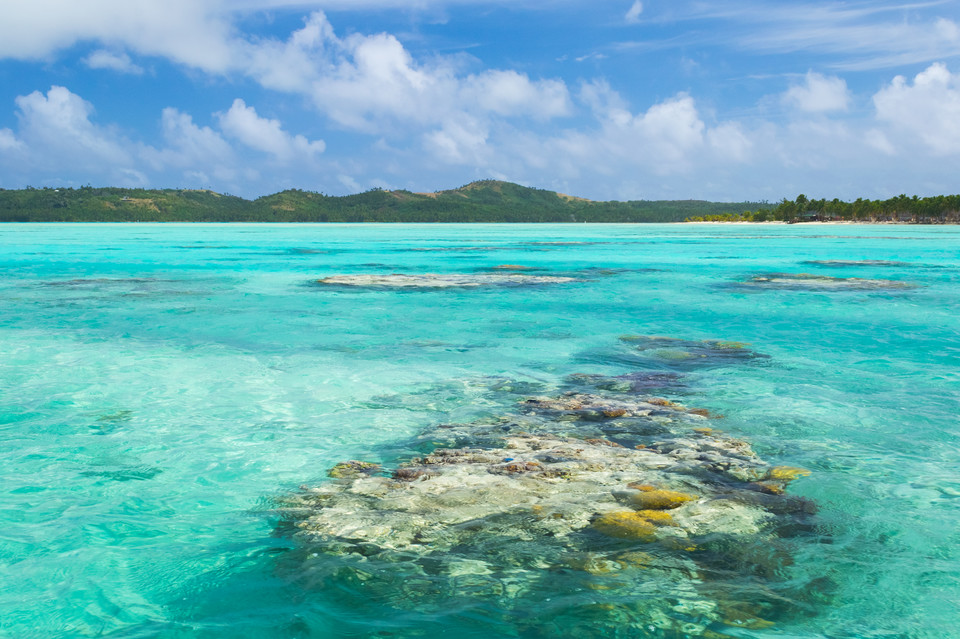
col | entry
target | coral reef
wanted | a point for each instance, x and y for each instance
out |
(681, 354)
(632, 496)
(812, 282)
(841, 263)
(440, 280)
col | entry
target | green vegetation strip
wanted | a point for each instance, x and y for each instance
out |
(485, 201)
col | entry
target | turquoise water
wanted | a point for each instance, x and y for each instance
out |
(161, 386)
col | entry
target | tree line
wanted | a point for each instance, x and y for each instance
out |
(940, 209)
(483, 201)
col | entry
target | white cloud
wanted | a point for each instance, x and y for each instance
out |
(633, 14)
(857, 36)
(460, 142)
(58, 127)
(510, 93)
(878, 140)
(197, 33)
(192, 148)
(371, 83)
(928, 110)
(9, 141)
(364, 82)
(670, 130)
(120, 62)
(819, 94)
(731, 141)
(263, 134)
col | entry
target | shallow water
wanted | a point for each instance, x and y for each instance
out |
(162, 385)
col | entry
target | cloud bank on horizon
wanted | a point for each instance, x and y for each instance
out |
(746, 99)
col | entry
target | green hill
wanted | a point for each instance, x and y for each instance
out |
(483, 201)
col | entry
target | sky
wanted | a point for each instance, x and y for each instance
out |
(607, 99)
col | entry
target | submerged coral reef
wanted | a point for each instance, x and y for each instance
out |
(440, 280)
(672, 527)
(809, 281)
(842, 263)
(658, 352)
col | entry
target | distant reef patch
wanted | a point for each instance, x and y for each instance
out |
(441, 280)
(813, 282)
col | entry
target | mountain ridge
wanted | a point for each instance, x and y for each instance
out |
(479, 201)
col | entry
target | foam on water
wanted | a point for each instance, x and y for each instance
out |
(162, 385)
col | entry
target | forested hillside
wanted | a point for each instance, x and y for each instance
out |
(484, 201)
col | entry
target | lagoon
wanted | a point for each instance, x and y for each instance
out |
(164, 387)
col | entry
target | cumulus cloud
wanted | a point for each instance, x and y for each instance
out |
(512, 93)
(372, 83)
(461, 141)
(197, 33)
(633, 14)
(196, 151)
(263, 134)
(58, 126)
(120, 62)
(9, 141)
(665, 138)
(731, 141)
(927, 110)
(364, 82)
(818, 94)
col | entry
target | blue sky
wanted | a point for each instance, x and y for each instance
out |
(658, 99)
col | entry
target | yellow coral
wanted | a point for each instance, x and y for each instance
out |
(614, 412)
(769, 487)
(659, 499)
(659, 401)
(625, 524)
(657, 517)
(787, 473)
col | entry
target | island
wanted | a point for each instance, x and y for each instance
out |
(484, 201)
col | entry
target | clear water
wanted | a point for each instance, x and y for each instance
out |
(161, 385)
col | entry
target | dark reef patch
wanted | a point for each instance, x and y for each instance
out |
(845, 263)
